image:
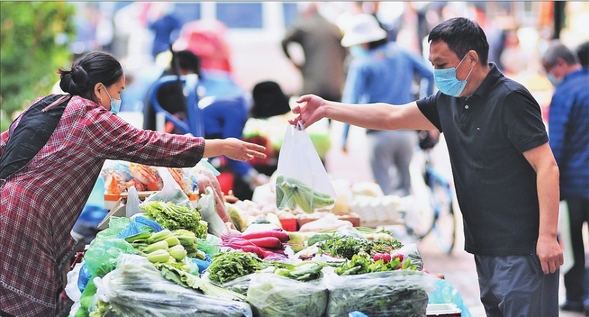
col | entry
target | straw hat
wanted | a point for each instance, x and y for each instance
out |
(362, 28)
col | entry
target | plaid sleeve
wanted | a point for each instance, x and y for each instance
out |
(111, 137)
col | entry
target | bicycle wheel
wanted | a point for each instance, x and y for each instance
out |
(419, 218)
(444, 226)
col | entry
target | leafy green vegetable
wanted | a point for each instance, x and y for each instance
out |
(186, 279)
(172, 217)
(362, 264)
(302, 271)
(346, 247)
(230, 265)
(318, 238)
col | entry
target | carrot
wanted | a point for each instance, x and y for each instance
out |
(267, 242)
(281, 235)
(275, 251)
(251, 249)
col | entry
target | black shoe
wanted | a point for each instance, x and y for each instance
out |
(574, 307)
(587, 310)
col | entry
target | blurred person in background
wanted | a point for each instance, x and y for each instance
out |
(583, 54)
(164, 25)
(504, 172)
(382, 71)
(323, 67)
(568, 125)
(50, 159)
(223, 117)
(170, 96)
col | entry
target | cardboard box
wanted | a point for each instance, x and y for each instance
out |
(119, 209)
(110, 200)
(355, 220)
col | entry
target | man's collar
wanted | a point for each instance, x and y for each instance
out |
(490, 80)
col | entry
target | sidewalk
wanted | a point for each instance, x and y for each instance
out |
(459, 267)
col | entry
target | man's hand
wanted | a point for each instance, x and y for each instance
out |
(550, 254)
(310, 110)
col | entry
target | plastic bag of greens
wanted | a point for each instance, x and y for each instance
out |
(301, 182)
(239, 285)
(401, 293)
(273, 295)
(101, 256)
(136, 288)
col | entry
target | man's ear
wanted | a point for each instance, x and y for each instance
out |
(473, 56)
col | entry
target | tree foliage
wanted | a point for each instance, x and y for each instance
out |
(34, 44)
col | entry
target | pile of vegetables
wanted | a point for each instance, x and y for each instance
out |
(302, 271)
(268, 244)
(346, 246)
(362, 264)
(252, 271)
(230, 265)
(172, 217)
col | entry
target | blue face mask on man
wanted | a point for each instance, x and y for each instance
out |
(115, 104)
(555, 81)
(358, 51)
(447, 82)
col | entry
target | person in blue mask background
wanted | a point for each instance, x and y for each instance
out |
(382, 71)
(568, 126)
(504, 171)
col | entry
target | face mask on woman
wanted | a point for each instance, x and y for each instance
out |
(447, 82)
(115, 104)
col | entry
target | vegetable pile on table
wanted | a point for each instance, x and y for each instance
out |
(166, 261)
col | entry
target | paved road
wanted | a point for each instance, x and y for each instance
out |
(458, 268)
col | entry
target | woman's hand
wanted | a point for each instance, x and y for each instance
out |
(234, 149)
(310, 110)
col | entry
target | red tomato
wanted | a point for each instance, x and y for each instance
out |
(398, 256)
(386, 257)
(377, 257)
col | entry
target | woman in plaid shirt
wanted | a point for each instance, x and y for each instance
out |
(50, 159)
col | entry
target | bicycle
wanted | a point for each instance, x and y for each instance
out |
(430, 207)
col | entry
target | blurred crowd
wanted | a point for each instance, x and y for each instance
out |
(139, 32)
(144, 35)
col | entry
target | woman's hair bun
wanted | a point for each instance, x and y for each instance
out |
(74, 81)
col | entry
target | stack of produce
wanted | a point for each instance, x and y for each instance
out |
(265, 244)
(172, 217)
(121, 176)
(256, 270)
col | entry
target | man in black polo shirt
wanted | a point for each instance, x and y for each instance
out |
(504, 171)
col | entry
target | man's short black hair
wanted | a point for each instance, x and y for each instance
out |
(187, 60)
(583, 53)
(462, 35)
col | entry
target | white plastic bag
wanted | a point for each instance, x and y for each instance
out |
(133, 203)
(302, 182)
(171, 191)
(137, 288)
(208, 212)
